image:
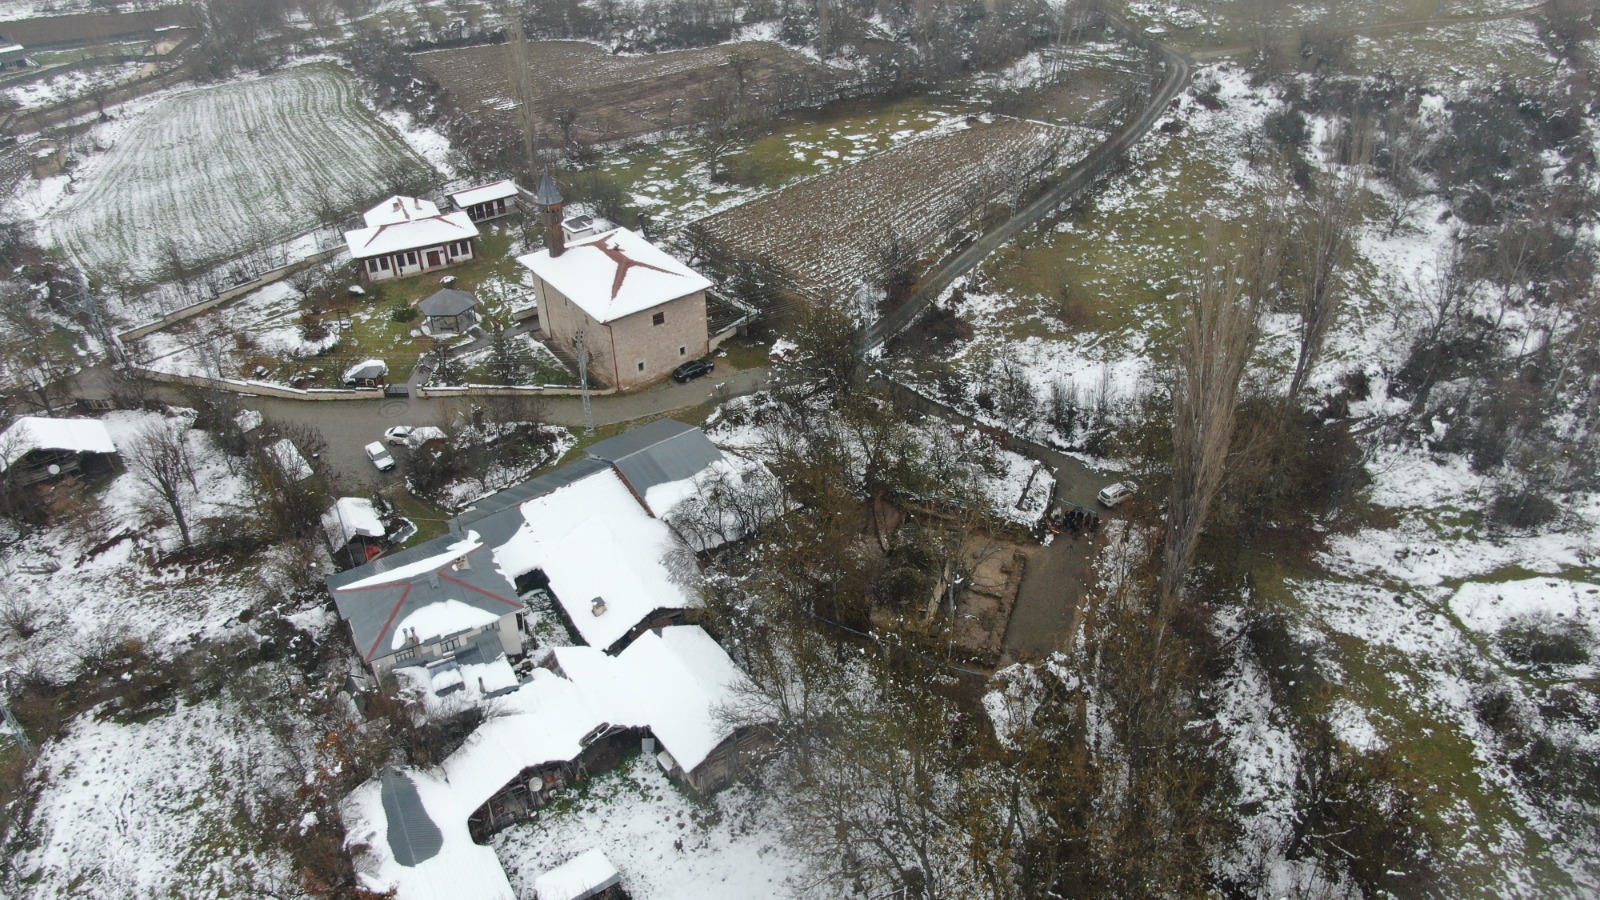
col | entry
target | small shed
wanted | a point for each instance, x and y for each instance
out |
(35, 449)
(45, 159)
(487, 201)
(355, 530)
(585, 876)
(450, 311)
(367, 373)
(13, 55)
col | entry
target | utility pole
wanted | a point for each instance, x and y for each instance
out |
(583, 381)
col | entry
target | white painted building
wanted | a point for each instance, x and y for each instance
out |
(408, 236)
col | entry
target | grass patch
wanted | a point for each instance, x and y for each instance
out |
(429, 519)
(1112, 267)
(819, 141)
(744, 353)
(372, 331)
(1437, 754)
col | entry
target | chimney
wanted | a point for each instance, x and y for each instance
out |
(548, 197)
(597, 606)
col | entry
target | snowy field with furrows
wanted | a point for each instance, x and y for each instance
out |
(216, 171)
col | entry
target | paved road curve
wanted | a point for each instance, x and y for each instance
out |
(1177, 69)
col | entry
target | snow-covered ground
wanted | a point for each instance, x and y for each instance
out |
(666, 845)
(147, 809)
(65, 85)
(1406, 614)
(95, 584)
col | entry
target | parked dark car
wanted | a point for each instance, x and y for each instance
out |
(692, 369)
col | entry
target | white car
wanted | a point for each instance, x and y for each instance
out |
(380, 456)
(412, 435)
(1116, 494)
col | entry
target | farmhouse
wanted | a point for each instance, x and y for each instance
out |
(407, 236)
(487, 201)
(638, 312)
(444, 615)
(593, 533)
(417, 829)
(35, 449)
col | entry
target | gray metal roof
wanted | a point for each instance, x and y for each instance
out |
(547, 194)
(663, 451)
(448, 302)
(373, 612)
(518, 494)
(413, 838)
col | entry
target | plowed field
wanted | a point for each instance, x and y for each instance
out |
(616, 96)
(223, 170)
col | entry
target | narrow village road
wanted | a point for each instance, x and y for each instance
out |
(349, 425)
(1177, 69)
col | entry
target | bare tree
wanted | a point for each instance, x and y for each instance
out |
(1407, 141)
(1219, 333)
(1322, 253)
(158, 456)
(522, 79)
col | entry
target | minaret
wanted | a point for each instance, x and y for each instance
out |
(549, 199)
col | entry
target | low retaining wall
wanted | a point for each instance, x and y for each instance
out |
(195, 309)
(262, 389)
(509, 390)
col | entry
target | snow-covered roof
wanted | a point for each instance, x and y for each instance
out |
(31, 433)
(438, 619)
(484, 193)
(582, 525)
(671, 681)
(459, 867)
(288, 458)
(690, 504)
(615, 274)
(592, 539)
(248, 420)
(410, 234)
(441, 587)
(349, 518)
(674, 681)
(367, 368)
(583, 876)
(399, 209)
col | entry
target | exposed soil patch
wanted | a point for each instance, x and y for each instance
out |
(617, 97)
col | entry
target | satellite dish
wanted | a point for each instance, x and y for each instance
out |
(53, 469)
